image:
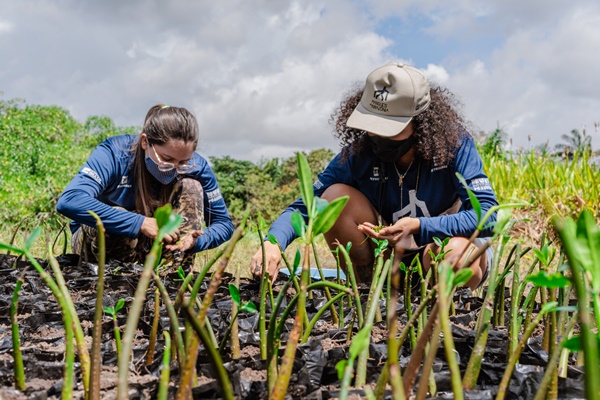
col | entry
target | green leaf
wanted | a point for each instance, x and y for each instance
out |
(474, 201)
(341, 368)
(181, 273)
(249, 307)
(119, 305)
(171, 225)
(110, 311)
(272, 239)
(462, 277)
(162, 215)
(306, 184)
(330, 214)
(403, 266)
(360, 341)
(548, 307)
(13, 249)
(235, 293)
(437, 241)
(33, 237)
(296, 264)
(573, 344)
(298, 223)
(320, 204)
(544, 279)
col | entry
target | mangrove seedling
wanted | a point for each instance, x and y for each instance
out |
(246, 306)
(112, 311)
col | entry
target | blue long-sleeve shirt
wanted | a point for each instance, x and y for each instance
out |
(428, 190)
(106, 180)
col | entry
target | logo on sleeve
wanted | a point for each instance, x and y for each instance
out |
(92, 174)
(317, 185)
(213, 196)
(481, 184)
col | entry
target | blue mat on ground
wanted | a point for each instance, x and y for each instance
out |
(328, 273)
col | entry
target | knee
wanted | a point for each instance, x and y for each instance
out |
(336, 191)
(189, 185)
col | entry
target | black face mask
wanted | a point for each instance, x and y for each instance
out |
(388, 150)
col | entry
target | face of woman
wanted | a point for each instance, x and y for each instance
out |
(176, 152)
(394, 148)
(165, 161)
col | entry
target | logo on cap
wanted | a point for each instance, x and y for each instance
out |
(381, 94)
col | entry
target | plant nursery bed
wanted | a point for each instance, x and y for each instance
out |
(314, 370)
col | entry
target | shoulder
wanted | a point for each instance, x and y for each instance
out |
(121, 141)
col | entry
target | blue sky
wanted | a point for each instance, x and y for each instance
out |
(263, 76)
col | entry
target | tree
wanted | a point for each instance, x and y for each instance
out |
(574, 143)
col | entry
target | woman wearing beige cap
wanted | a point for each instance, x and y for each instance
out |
(403, 143)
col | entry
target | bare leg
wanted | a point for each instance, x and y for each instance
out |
(455, 248)
(358, 210)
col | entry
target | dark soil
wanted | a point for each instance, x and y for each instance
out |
(314, 377)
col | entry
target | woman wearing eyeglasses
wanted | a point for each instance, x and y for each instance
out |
(128, 177)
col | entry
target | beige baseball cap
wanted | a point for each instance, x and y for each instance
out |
(393, 95)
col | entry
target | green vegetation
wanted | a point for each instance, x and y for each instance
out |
(554, 186)
(40, 151)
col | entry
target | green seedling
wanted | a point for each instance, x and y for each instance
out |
(165, 372)
(19, 370)
(96, 365)
(581, 241)
(168, 222)
(112, 311)
(246, 306)
(321, 217)
(514, 357)
(345, 368)
(200, 326)
(70, 319)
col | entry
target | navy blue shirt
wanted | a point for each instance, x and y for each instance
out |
(427, 192)
(106, 180)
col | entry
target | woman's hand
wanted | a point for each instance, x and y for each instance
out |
(186, 243)
(395, 234)
(273, 258)
(150, 228)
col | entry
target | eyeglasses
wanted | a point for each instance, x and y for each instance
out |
(182, 168)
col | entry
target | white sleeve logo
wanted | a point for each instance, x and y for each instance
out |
(481, 184)
(214, 196)
(92, 174)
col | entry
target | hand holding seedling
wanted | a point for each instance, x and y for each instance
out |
(273, 259)
(150, 229)
(395, 234)
(186, 242)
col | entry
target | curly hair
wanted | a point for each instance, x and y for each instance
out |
(437, 130)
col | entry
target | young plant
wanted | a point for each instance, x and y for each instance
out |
(321, 217)
(379, 274)
(345, 368)
(112, 311)
(246, 306)
(514, 357)
(19, 370)
(200, 326)
(70, 319)
(581, 242)
(165, 372)
(96, 365)
(167, 222)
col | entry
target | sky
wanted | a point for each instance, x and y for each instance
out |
(263, 76)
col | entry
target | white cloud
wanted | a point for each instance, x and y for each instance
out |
(264, 76)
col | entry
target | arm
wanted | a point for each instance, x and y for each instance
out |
(469, 164)
(94, 178)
